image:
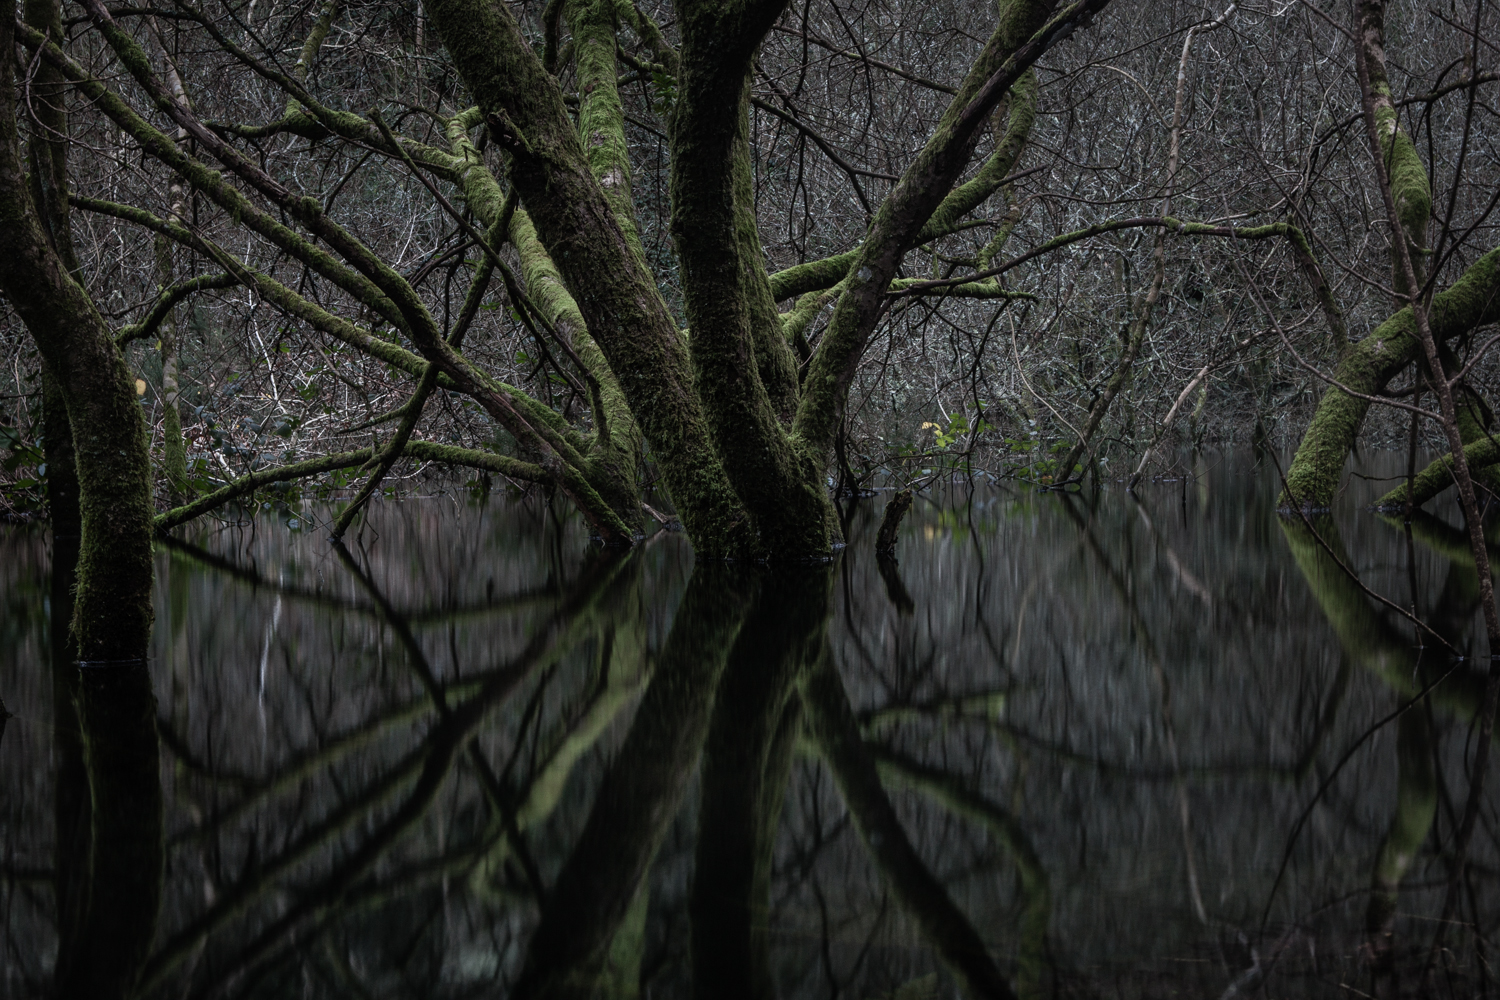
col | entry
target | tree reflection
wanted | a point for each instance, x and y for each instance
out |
(107, 854)
(475, 757)
(1427, 679)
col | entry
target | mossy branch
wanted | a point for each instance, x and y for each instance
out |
(1026, 31)
(210, 182)
(816, 275)
(614, 289)
(167, 301)
(1410, 189)
(308, 117)
(312, 44)
(601, 116)
(1314, 476)
(427, 451)
(1295, 236)
(1019, 109)
(1438, 475)
(324, 321)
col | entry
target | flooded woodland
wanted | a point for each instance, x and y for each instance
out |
(1169, 743)
(453, 456)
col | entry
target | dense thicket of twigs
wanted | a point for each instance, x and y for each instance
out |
(845, 94)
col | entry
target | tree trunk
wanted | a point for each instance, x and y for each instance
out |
(615, 291)
(112, 606)
(746, 762)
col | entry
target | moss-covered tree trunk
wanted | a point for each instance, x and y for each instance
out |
(1018, 40)
(746, 373)
(111, 621)
(1313, 479)
(742, 446)
(616, 294)
(113, 616)
(1369, 367)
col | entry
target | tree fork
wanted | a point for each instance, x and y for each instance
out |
(386, 289)
(744, 370)
(1026, 30)
(616, 294)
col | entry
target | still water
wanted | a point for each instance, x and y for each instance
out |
(1090, 745)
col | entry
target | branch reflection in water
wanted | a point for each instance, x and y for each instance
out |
(1065, 746)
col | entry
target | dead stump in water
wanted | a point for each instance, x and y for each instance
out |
(895, 510)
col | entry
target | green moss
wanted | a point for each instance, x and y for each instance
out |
(1482, 456)
(601, 117)
(615, 458)
(638, 797)
(1018, 111)
(1314, 476)
(112, 612)
(1410, 189)
(745, 373)
(426, 451)
(1411, 821)
(614, 290)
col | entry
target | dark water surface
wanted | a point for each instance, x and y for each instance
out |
(1068, 746)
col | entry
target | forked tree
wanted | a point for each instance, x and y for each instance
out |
(528, 156)
(739, 426)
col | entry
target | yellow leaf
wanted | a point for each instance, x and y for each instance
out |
(140, 387)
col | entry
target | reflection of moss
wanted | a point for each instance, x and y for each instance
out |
(746, 763)
(1368, 637)
(922, 988)
(471, 701)
(949, 791)
(621, 978)
(1416, 805)
(1453, 545)
(637, 799)
(117, 715)
(833, 727)
(623, 675)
